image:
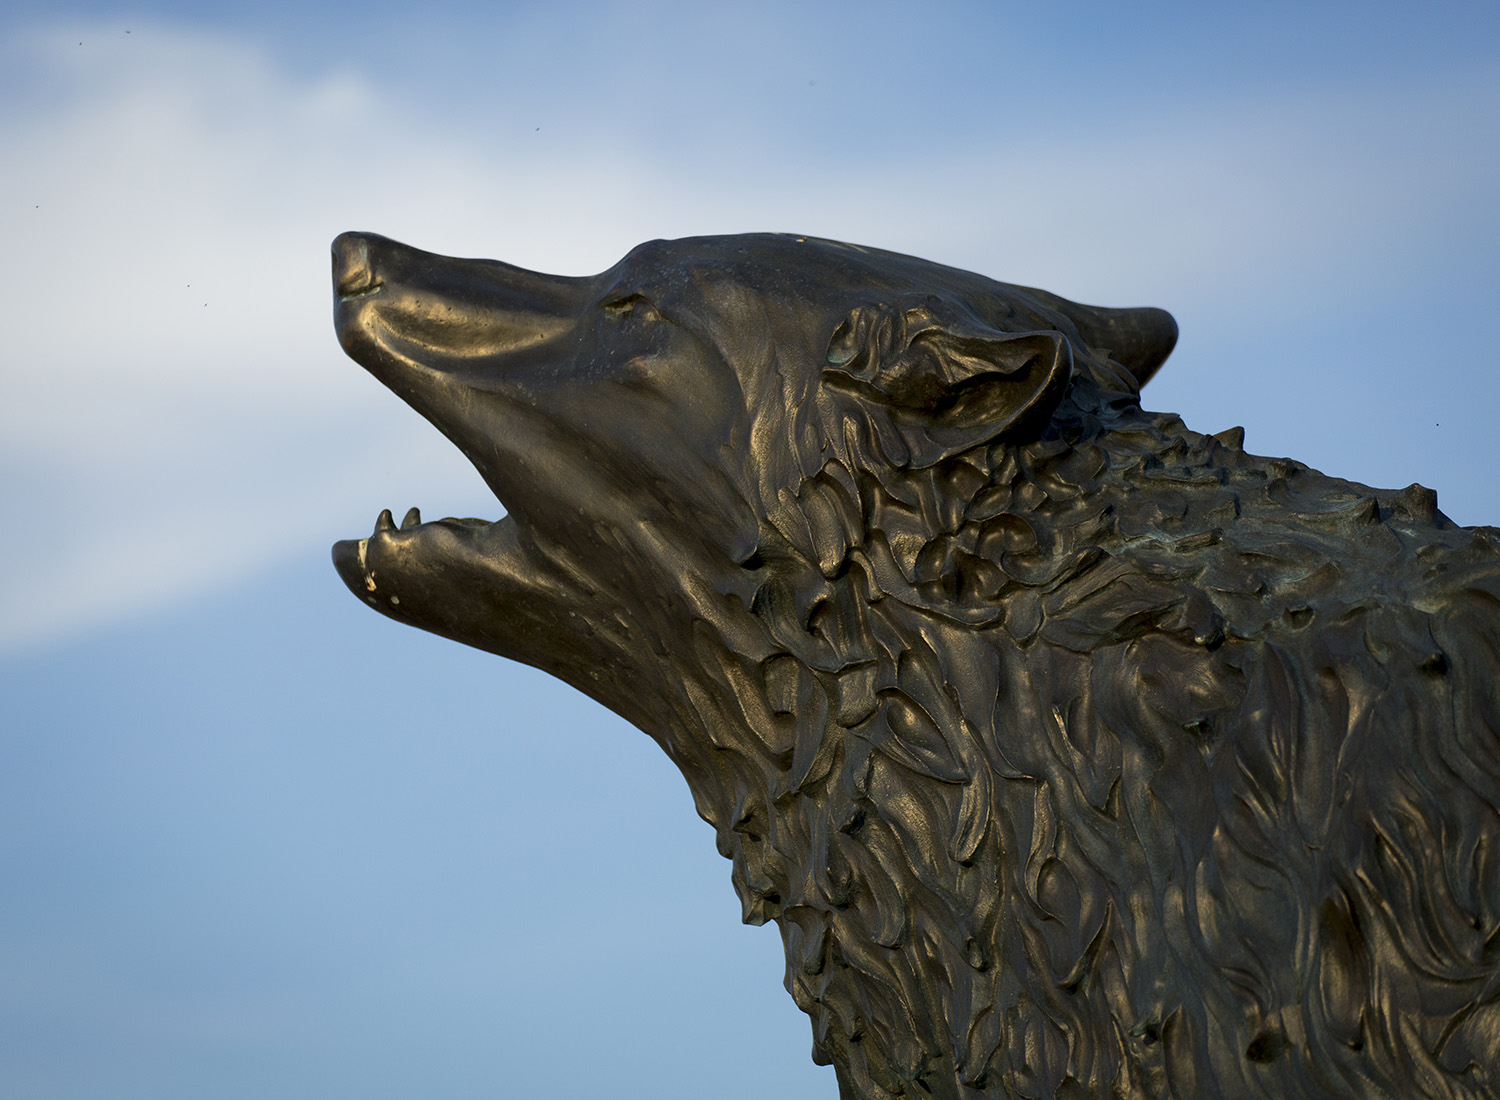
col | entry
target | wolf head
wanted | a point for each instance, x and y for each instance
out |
(643, 427)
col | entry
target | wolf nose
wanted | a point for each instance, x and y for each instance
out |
(352, 273)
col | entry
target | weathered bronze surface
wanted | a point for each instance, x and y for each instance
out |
(1074, 753)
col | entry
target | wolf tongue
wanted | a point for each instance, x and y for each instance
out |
(413, 517)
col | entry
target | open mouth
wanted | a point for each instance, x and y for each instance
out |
(457, 576)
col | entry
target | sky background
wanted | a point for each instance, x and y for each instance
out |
(257, 841)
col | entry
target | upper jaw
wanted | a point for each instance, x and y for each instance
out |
(395, 305)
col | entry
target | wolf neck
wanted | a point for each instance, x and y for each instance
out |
(889, 763)
(912, 736)
(837, 723)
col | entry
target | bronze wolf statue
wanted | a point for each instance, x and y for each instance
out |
(1075, 754)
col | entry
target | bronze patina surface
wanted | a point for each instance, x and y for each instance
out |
(1075, 753)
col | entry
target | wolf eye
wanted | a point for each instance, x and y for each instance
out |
(633, 306)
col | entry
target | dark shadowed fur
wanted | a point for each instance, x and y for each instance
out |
(1075, 753)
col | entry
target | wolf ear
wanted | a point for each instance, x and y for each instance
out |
(960, 379)
(1139, 338)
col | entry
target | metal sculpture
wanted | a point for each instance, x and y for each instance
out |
(1075, 753)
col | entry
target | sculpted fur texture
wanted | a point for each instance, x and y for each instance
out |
(1075, 753)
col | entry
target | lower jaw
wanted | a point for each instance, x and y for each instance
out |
(418, 552)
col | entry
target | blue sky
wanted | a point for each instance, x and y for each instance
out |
(257, 841)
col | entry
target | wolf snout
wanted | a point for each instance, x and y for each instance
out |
(353, 273)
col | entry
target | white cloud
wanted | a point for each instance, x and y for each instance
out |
(177, 413)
